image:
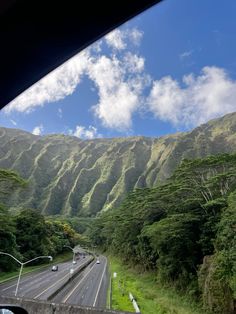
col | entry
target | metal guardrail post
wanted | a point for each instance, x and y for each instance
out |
(135, 305)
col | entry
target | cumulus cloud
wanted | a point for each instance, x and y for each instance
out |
(135, 35)
(119, 88)
(119, 81)
(118, 39)
(199, 99)
(54, 86)
(133, 63)
(38, 130)
(84, 133)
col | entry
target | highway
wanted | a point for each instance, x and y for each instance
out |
(41, 284)
(89, 288)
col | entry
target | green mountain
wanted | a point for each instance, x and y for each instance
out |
(72, 177)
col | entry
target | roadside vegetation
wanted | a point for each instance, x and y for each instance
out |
(182, 232)
(151, 296)
(27, 234)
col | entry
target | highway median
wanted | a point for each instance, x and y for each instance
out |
(71, 276)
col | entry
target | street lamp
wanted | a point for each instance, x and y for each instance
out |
(22, 265)
(73, 250)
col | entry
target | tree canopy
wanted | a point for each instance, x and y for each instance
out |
(176, 227)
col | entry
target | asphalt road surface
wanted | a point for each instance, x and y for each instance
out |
(41, 284)
(89, 288)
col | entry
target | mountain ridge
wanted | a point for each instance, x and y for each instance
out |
(76, 177)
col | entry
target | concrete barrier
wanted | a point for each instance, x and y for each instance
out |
(43, 307)
(64, 283)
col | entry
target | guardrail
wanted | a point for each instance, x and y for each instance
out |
(135, 305)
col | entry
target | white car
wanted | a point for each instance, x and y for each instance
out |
(97, 262)
(74, 262)
(54, 268)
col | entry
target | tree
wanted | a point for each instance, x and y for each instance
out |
(175, 227)
(7, 240)
(174, 240)
(9, 181)
(31, 234)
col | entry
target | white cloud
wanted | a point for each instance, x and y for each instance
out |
(116, 39)
(186, 54)
(38, 130)
(96, 47)
(135, 36)
(119, 81)
(207, 96)
(13, 122)
(54, 86)
(119, 88)
(84, 133)
(134, 63)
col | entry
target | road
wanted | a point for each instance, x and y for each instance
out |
(41, 284)
(89, 288)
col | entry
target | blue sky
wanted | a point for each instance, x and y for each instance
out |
(170, 69)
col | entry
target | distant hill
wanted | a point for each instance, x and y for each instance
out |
(77, 177)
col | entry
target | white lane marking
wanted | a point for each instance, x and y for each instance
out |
(28, 278)
(8, 288)
(68, 274)
(34, 276)
(100, 284)
(73, 290)
(37, 296)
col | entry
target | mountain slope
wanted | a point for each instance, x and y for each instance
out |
(74, 177)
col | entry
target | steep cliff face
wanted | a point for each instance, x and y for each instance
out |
(82, 177)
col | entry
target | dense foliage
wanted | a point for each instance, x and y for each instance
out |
(184, 229)
(27, 234)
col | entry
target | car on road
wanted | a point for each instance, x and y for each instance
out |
(55, 268)
(74, 262)
(97, 262)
